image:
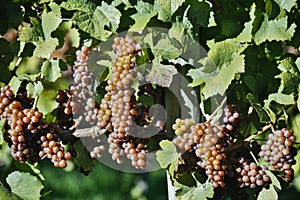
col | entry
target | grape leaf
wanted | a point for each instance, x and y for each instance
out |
(50, 22)
(167, 155)
(262, 114)
(286, 4)
(95, 21)
(80, 5)
(161, 74)
(15, 84)
(279, 98)
(125, 2)
(288, 83)
(44, 49)
(276, 29)
(201, 192)
(223, 62)
(268, 194)
(5, 194)
(145, 11)
(50, 70)
(24, 185)
(165, 49)
(83, 158)
(246, 34)
(34, 89)
(167, 8)
(31, 34)
(74, 37)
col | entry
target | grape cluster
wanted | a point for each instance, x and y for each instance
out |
(280, 153)
(64, 112)
(212, 154)
(24, 127)
(119, 110)
(251, 175)
(51, 146)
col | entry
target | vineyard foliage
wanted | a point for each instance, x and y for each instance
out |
(246, 52)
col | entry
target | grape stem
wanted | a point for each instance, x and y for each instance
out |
(35, 102)
(251, 137)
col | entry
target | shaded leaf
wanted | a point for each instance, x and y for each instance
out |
(263, 115)
(83, 158)
(161, 74)
(145, 11)
(31, 34)
(24, 185)
(51, 70)
(2, 123)
(15, 84)
(5, 194)
(276, 29)
(167, 155)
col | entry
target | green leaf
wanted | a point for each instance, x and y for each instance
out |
(74, 37)
(246, 34)
(286, 4)
(34, 89)
(223, 62)
(15, 84)
(263, 115)
(125, 2)
(276, 29)
(80, 5)
(201, 192)
(44, 49)
(145, 11)
(165, 49)
(288, 83)
(167, 8)
(83, 158)
(95, 21)
(50, 70)
(50, 22)
(2, 123)
(24, 185)
(5, 194)
(161, 74)
(167, 155)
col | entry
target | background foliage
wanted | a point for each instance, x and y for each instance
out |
(253, 48)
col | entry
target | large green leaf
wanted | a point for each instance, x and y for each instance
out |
(165, 49)
(167, 8)
(145, 11)
(24, 185)
(35, 89)
(5, 194)
(276, 29)
(95, 21)
(223, 62)
(167, 155)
